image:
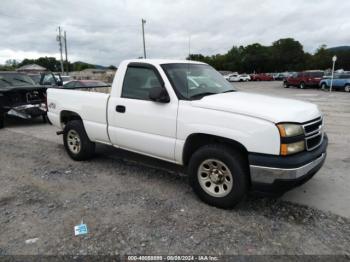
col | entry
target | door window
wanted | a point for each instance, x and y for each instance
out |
(138, 81)
(49, 79)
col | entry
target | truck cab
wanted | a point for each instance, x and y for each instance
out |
(185, 112)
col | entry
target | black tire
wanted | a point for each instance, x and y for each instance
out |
(86, 148)
(236, 165)
(285, 84)
(347, 88)
(2, 120)
(302, 85)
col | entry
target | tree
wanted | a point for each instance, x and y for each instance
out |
(256, 58)
(112, 67)
(287, 55)
(50, 63)
(321, 59)
(284, 54)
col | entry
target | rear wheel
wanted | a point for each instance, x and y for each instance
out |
(347, 88)
(323, 86)
(285, 84)
(302, 85)
(218, 175)
(76, 142)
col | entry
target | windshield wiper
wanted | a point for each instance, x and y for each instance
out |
(202, 95)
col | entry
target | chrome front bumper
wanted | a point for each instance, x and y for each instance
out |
(268, 175)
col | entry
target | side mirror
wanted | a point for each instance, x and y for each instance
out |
(159, 94)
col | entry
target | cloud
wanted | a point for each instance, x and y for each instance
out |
(107, 31)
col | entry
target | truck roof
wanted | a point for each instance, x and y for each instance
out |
(161, 61)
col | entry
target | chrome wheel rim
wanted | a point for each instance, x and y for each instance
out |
(347, 89)
(73, 141)
(215, 178)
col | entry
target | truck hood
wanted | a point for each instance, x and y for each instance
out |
(270, 108)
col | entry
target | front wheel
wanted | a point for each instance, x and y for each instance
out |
(347, 88)
(302, 85)
(76, 142)
(218, 175)
(323, 86)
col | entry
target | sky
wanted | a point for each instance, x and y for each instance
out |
(107, 31)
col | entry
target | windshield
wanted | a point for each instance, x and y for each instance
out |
(35, 78)
(15, 79)
(193, 81)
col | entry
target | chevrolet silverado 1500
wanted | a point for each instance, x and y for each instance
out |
(230, 142)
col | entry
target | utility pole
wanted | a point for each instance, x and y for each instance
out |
(143, 37)
(334, 58)
(65, 48)
(189, 47)
(59, 39)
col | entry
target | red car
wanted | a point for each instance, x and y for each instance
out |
(261, 77)
(304, 79)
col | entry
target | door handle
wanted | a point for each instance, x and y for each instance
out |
(120, 109)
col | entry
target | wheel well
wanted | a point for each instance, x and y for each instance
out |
(67, 116)
(195, 141)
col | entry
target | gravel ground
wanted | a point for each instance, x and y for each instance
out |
(131, 207)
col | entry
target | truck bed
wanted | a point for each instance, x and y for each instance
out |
(89, 103)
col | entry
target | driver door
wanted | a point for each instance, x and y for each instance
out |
(138, 124)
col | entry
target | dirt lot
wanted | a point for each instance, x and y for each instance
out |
(134, 204)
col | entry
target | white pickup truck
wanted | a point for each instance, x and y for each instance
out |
(185, 112)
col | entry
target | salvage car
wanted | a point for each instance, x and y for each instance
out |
(340, 82)
(261, 77)
(21, 97)
(238, 78)
(229, 142)
(304, 79)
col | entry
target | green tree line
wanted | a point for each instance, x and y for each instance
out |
(283, 55)
(50, 63)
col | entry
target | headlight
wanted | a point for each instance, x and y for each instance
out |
(290, 143)
(292, 148)
(290, 130)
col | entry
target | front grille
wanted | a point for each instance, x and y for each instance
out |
(313, 133)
